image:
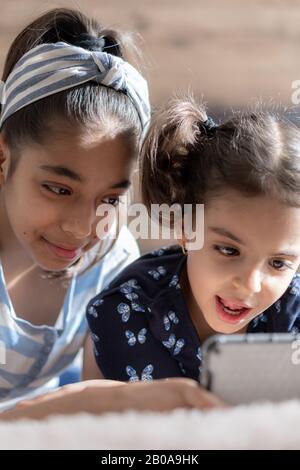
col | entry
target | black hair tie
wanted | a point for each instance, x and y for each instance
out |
(91, 43)
(209, 125)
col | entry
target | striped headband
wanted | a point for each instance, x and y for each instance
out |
(50, 68)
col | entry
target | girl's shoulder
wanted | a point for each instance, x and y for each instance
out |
(137, 327)
(156, 269)
(154, 274)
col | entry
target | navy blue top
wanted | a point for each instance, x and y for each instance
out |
(141, 327)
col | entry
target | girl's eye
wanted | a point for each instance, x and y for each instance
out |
(112, 201)
(226, 250)
(280, 265)
(56, 190)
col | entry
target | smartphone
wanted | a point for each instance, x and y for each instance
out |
(252, 367)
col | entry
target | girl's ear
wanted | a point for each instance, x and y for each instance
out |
(180, 236)
(182, 241)
(3, 159)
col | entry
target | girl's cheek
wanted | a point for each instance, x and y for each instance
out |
(274, 290)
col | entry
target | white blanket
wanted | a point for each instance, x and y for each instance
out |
(256, 426)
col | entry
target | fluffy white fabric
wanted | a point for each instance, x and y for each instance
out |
(256, 426)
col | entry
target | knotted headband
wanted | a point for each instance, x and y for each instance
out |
(50, 68)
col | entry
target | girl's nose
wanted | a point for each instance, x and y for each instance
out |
(250, 281)
(80, 224)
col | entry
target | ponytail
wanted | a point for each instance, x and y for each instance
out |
(169, 151)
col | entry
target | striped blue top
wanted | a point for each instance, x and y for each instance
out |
(32, 357)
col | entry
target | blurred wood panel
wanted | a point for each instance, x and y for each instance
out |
(230, 51)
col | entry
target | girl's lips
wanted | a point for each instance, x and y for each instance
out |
(233, 304)
(62, 252)
(230, 318)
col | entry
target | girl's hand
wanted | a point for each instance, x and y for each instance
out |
(159, 395)
(101, 396)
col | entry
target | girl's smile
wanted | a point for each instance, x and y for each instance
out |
(62, 251)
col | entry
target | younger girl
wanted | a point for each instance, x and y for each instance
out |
(154, 318)
(73, 112)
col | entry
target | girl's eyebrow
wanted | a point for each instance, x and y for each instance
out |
(226, 233)
(125, 184)
(62, 171)
(223, 232)
(291, 254)
(67, 173)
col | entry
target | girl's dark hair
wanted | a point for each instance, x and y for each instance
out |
(88, 105)
(184, 161)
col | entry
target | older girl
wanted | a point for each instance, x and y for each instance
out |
(73, 112)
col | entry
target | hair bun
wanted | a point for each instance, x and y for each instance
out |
(105, 43)
(91, 43)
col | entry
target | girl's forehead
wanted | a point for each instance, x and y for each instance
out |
(232, 202)
(85, 142)
(258, 217)
(102, 152)
(100, 166)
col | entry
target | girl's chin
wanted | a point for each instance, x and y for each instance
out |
(52, 265)
(231, 330)
(222, 328)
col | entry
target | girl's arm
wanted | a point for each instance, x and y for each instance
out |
(90, 370)
(100, 396)
(70, 399)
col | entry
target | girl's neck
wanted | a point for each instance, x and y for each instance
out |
(203, 329)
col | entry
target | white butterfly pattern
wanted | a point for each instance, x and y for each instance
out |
(199, 354)
(157, 273)
(131, 296)
(174, 282)
(295, 290)
(263, 318)
(141, 337)
(158, 252)
(94, 337)
(170, 317)
(137, 307)
(255, 322)
(95, 340)
(124, 310)
(277, 306)
(145, 376)
(128, 286)
(92, 309)
(177, 344)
